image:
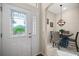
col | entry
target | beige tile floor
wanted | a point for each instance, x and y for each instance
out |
(53, 51)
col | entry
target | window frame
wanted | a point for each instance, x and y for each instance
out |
(34, 30)
(25, 21)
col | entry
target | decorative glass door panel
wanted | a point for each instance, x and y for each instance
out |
(18, 22)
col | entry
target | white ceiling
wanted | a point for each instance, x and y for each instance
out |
(33, 4)
(55, 8)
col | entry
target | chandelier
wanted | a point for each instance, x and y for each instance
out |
(61, 22)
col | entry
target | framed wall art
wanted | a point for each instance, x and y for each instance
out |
(51, 24)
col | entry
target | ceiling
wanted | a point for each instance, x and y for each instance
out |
(55, 8)
(33, 4)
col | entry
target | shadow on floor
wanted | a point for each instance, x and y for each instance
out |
(40, 55)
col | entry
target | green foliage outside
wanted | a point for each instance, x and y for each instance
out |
(18, 29)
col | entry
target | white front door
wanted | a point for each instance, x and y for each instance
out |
(17, 25)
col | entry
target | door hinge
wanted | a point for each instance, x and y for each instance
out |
(1, 8)
(1, 35)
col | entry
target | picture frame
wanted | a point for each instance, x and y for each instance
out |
(51, 24)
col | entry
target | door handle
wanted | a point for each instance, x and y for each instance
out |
(29, 33)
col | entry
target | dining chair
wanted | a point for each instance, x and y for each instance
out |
(75, 41)
(51, 36)
(56, 38)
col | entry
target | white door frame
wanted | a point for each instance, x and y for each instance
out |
(0, 29)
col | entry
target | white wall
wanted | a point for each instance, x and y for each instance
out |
(43, 28)
(52, 17)
(71, 17)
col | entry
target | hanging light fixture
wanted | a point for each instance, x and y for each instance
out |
(61, 22)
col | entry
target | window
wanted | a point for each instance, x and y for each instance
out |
(18, 22)
(34, 25)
